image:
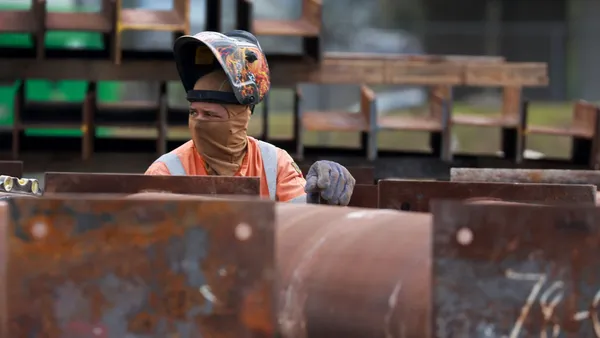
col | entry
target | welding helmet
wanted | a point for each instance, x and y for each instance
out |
(240, 56)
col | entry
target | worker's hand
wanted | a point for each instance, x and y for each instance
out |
(332, 181)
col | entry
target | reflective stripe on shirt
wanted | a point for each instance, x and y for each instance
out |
(268, 152)
(173, 163)
(298, 200)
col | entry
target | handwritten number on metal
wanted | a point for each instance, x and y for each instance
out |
(548, 301)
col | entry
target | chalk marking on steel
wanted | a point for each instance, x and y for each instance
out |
(368, 213)
(392, 303)
(291, 312)
(548, 308)
(594, 316)
(207, 293)
(535, 290)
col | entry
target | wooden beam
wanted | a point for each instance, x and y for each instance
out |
(525, 74)
(423, 73)
(91, 70)
(350, 69)
(417, 57)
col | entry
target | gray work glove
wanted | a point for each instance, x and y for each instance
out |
(332, 181)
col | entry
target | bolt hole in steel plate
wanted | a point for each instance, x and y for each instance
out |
(515, 270)
(107, 267)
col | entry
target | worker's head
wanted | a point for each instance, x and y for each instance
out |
(219, 130)
(225, 76)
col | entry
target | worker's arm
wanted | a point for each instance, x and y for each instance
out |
(290, 182)
(157, 168)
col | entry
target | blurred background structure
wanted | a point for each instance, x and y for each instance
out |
(560, 33)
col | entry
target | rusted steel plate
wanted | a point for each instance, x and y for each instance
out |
(66, 182)
(139, 268)
(552, 176)
(364, 196)
(416, 195)
(3, 245)
(11, 168)
(362, 175)
(515, 270)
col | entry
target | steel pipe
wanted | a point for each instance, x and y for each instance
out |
(349, 272)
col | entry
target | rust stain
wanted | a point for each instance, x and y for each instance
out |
(73, 182)
(524, 269)
(79, 246)
(536, 176)
(143, 323)
(417, 195)
(256, 310)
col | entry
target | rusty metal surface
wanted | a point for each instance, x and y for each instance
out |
(364, 196)
(67, 182)
(5, 195)
(550, 176)
(119, 268)
(350, 272)
(486, 200)
(515, 271)
(416, 195)
(3, 257)
(362, 175)
(11, 168)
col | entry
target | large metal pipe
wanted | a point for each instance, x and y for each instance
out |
(349, 272)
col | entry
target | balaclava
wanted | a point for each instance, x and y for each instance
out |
(222, 144)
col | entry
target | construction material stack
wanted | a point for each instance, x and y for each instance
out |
(86, 118)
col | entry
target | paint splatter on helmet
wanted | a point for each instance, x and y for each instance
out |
(240, 56)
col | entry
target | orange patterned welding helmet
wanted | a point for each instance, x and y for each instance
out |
(238, 53)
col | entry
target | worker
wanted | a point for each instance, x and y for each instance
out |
(225, 77)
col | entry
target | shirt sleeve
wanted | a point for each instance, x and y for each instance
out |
(158, 168)
(290, 182)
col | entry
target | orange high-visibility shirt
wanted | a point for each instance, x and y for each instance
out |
(289, 182)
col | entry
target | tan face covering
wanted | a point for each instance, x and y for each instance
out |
(223, 144)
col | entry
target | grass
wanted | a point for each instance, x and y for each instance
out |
(472, 140)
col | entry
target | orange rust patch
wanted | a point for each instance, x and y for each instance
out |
(535, 177)
(140, 242)
(257, 310)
